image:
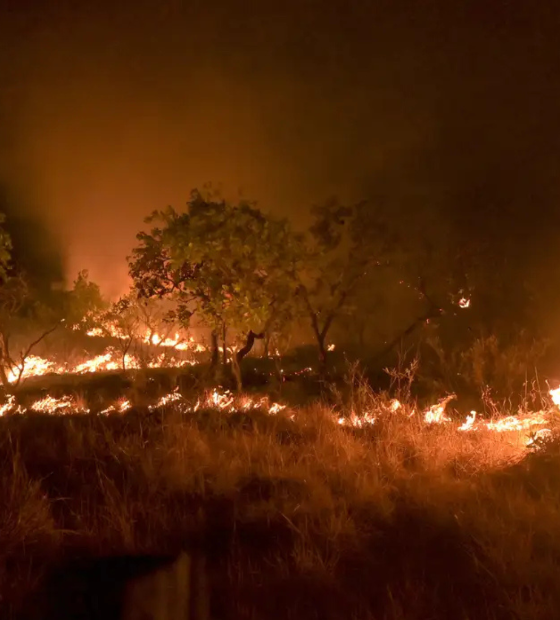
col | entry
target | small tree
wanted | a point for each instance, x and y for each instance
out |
(344, 244)
(231, 264)
(84, 303)
(24, 321)
(27, 318)
(121, 322)
(437, 269)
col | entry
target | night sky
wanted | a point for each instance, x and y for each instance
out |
(111, 110)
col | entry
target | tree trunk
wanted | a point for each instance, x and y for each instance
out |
(224, 344)
(4, 379)
(322, 352)
(246, 349)
(215, 352)
(125, 353)
(236, 369)
(241, 354)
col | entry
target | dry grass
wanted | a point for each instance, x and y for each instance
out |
(302, 517)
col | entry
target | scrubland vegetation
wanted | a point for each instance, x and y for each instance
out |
(376, 494)
(299, 515)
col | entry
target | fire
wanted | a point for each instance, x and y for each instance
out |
(468, 424)
(436, 413)
(107, 361)
(108, 330)
(538, 437)
(227, 402)
(49, 404)
(33, 366)
(516, 423)
(149, 337)
(96, 332)
(173, 342)
(464, 302)
(123, 405)
(10, 406)
(555, 394)
(166, 399)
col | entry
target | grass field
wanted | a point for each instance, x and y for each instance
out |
(299, 516)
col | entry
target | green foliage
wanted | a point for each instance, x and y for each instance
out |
(229, 263)
(84, 302)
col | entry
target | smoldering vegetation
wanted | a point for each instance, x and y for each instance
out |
(396, 518)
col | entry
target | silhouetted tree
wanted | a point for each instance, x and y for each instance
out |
(343, 246)
(232, 265)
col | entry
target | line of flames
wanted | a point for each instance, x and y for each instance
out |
(533, 423)
(222, 400)
(112, 359)
(172, 355)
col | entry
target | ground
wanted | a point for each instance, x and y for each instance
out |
(297, 515)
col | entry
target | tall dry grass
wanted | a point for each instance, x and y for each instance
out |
(299, 515)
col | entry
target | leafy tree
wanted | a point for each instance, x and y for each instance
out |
(229, 263)
(122, 322)
(343, 246)
(139, 326)
(83, 303)
(17, 310)
(434, 271)
(28, 317)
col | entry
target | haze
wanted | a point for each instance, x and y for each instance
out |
(110, 112)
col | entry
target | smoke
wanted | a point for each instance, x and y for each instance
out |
(34, 250)
(111, 111)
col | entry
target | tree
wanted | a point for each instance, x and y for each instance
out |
(16, 310)
(140, 326)
(122, 322)
(343, 245)
(29, 316)
(228, 263)
(83, 303)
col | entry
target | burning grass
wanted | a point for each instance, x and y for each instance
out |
(398, 516)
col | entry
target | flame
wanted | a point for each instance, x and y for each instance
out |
(464, 302)
(173, 397)
(96, 332)
(171, 353)
(110, 360)
(555, 394)
(227, 402)
(535, 441)
(50, 404)
(468, 424)
(123, 405)
(34, 366)
(10, 406)
(150, 337)
(516, 423)
(436, 413)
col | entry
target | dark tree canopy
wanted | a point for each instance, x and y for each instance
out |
(344, 244)
(230, 264)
